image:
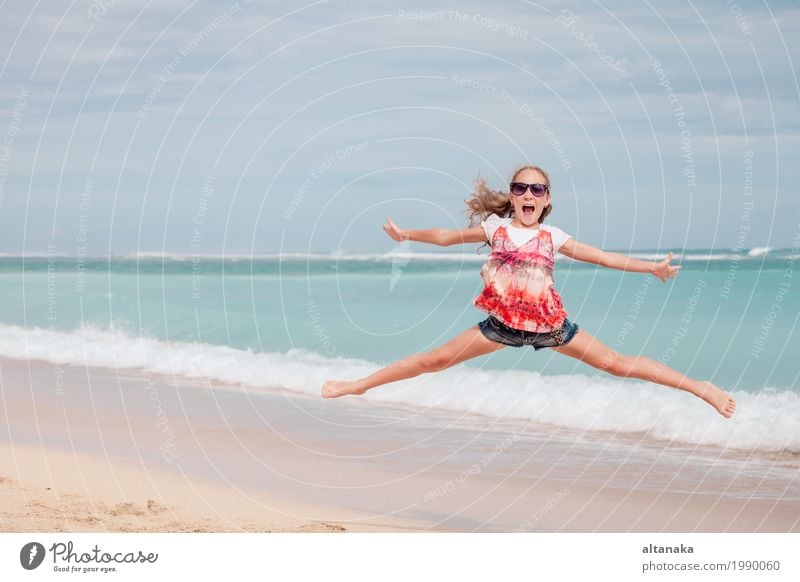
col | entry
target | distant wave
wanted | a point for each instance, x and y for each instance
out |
(758, 251)
(766, 421)
(405, 255)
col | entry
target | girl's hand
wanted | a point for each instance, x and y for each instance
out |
(394, 231)
(664, 271)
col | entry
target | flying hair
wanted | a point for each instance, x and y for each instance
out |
(485, 201)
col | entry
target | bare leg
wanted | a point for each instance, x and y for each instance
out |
(466, 345)
(595, 353)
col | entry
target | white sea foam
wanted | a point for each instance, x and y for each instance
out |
(765, 421)
(758, 251)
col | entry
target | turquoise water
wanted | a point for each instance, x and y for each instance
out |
(291, 322)
(730, 318)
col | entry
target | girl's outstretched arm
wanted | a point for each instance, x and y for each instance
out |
(436, 236)
(589, 254)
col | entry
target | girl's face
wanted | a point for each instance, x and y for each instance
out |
(534, 205)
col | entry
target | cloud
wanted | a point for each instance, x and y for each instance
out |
(159, 92)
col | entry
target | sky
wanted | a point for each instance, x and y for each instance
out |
(217, 127)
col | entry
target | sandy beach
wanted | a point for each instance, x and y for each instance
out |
(47, 490)
(62, 488)
(92, 449)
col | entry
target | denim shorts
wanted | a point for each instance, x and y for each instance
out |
(497, 331)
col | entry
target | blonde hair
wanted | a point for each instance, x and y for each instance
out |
(485, 201)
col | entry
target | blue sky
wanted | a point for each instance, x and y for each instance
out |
(258, 127)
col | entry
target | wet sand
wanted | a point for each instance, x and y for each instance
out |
(94, 449)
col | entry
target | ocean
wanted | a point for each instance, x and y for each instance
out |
(290, 321)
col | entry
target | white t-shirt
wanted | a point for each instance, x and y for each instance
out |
(519, 236)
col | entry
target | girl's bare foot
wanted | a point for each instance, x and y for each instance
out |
(334, 389)
(719, 399)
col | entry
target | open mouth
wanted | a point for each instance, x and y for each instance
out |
(527, 210)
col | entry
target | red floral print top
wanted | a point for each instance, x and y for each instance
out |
(518, 276)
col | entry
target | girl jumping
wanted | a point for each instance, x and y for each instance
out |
(518, 294)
